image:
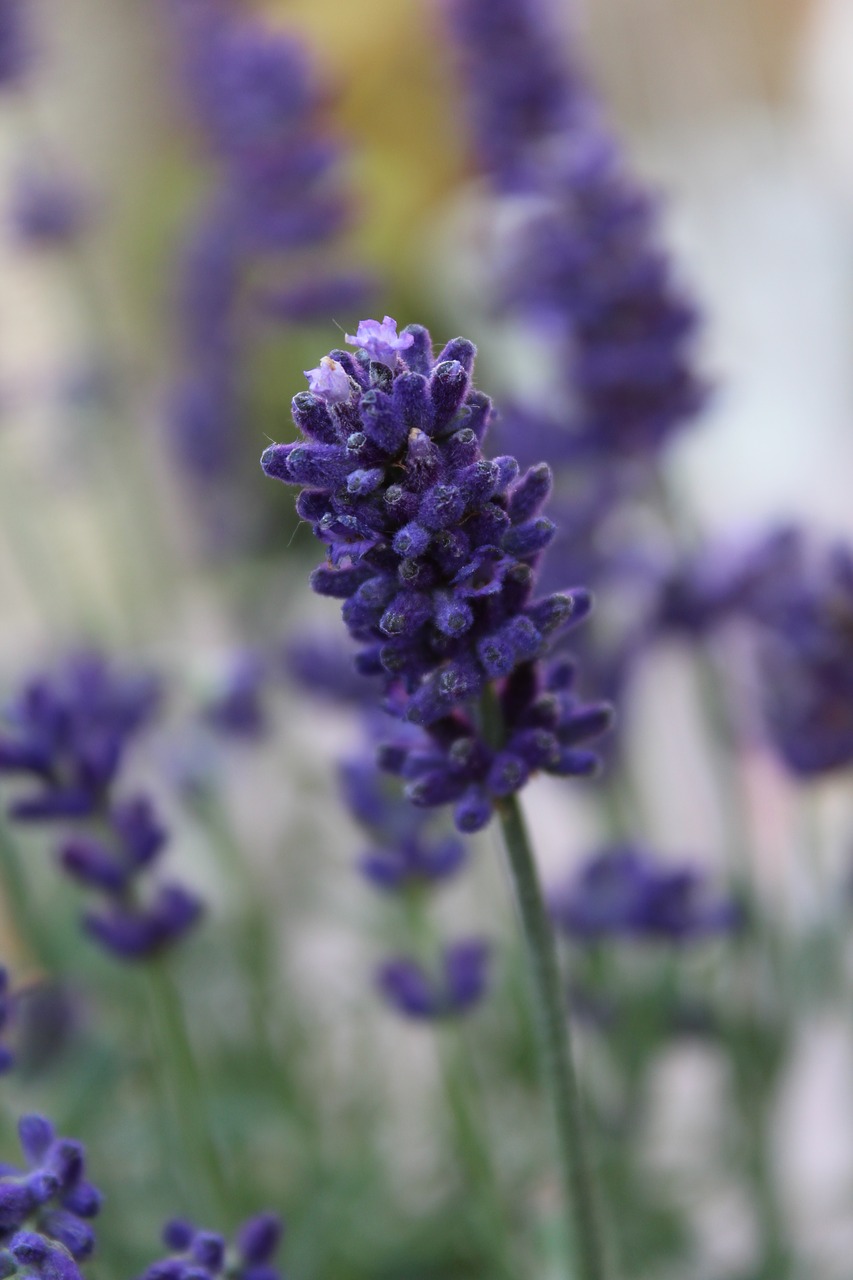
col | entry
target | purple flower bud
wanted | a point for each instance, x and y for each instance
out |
(258, 1238)
(329, 381)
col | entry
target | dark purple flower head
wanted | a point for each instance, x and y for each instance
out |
(805, 660)
(459, 985)
(48, 210)
(16, 47)
(204, 1255)
(432, 547)
(50, 1200)
(624, 891)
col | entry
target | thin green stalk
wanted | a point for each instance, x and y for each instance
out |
(472, 1150)
(254, 933)
(183, 1081)
(581, 1215)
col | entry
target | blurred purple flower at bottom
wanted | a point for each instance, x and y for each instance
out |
(205, 1255)
(408, 989)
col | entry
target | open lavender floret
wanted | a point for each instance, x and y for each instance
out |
(433, 548)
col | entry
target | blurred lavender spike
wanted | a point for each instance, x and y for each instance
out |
(68, 732)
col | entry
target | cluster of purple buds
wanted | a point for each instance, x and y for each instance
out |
(45, 1208)
(805, 660)
(433, 548)
(625, 892)
(276, 198)
(205, 1255)
(48, 210)
(408, 857)
(68, 732)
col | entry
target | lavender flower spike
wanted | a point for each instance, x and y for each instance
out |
(433, 549)
(67, 733)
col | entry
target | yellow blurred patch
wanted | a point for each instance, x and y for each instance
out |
(395, 100)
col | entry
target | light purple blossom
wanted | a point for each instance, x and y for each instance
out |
(380, 341)
(330, 380)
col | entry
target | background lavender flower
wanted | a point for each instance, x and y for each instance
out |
(276, 199)
(624, 892)
(585, 267)
(433, 548)
(518, 90)
(237, 706)
(68, 732)
(804, 666)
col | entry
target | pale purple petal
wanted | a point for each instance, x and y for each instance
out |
(380, 341)
(329, 380)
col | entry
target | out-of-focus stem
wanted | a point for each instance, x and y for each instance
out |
(183, 1080)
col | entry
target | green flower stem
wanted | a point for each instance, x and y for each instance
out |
(551, 1016)
(255, 935)
(182, 1080)
(467, 1121)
